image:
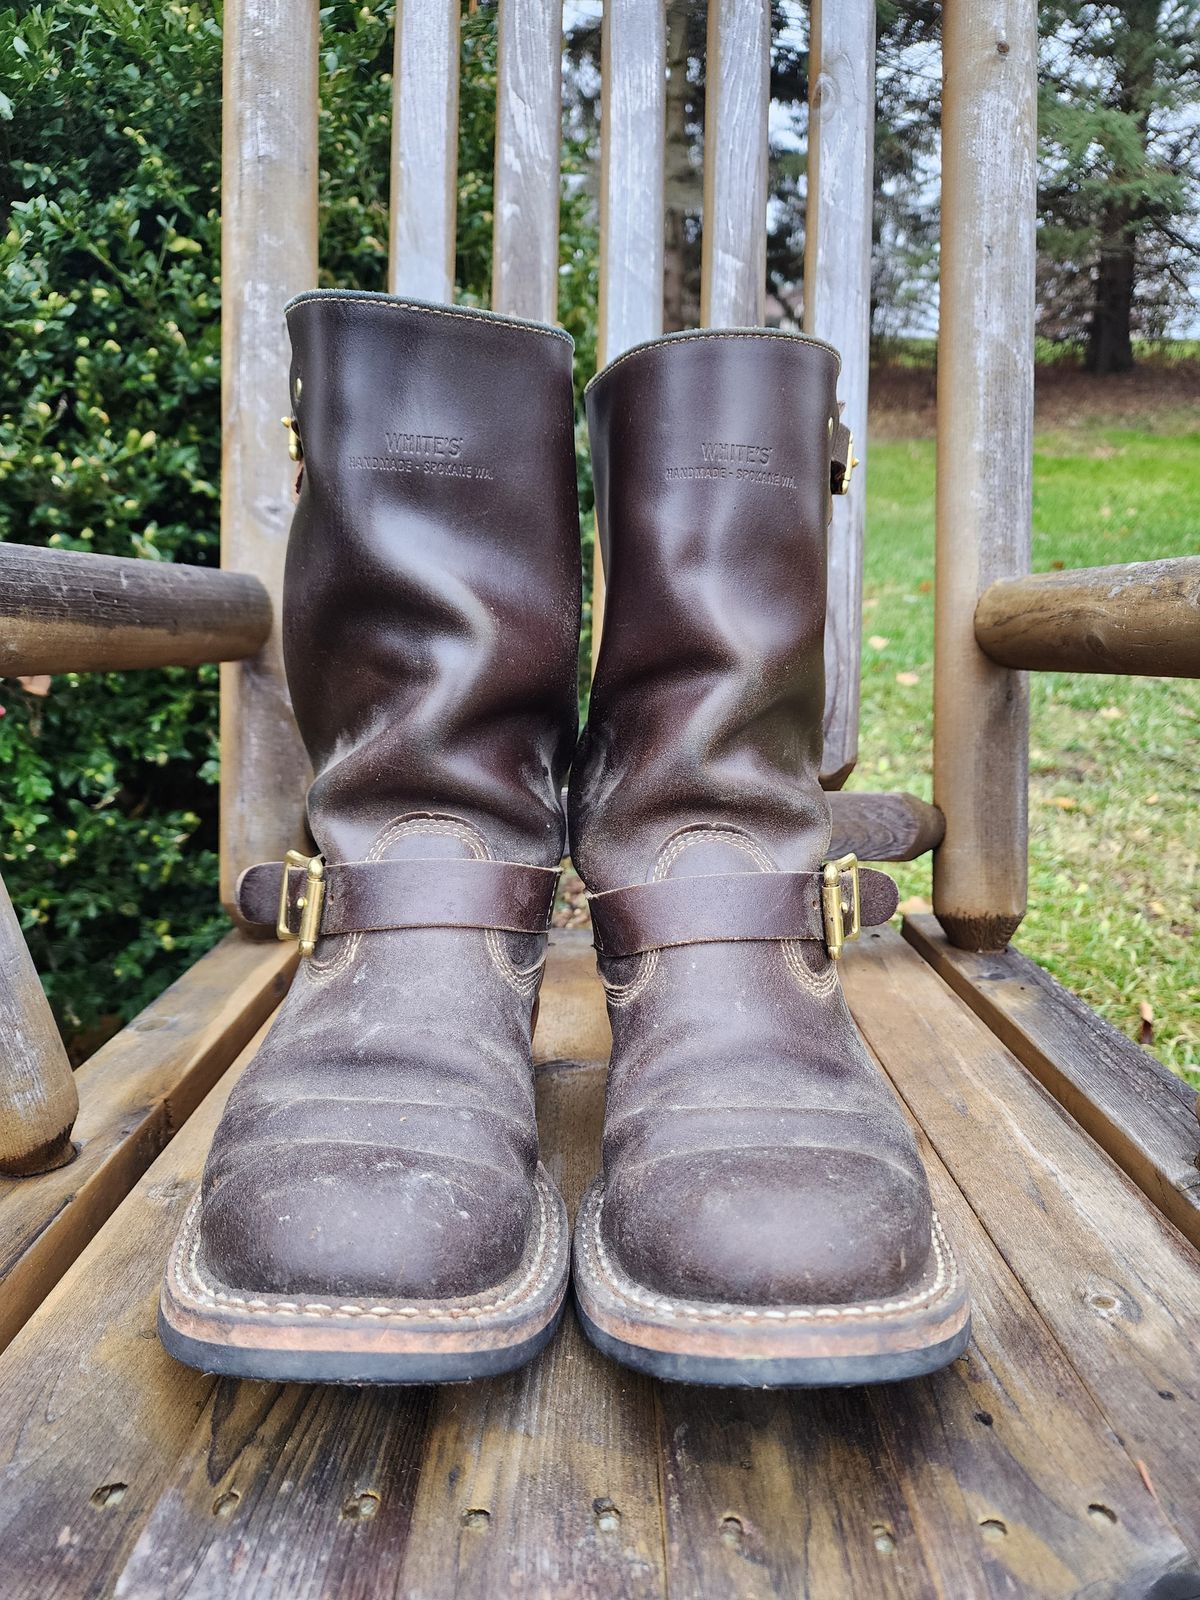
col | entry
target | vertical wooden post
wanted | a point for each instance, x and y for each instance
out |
(38, 1099)
(268, 253)
(424, 149)
(632, 155)
(733, 272)
(528, 137)
(984, 459)
(837, 307)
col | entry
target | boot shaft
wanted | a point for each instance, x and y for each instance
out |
(432, 586)
(711, 455)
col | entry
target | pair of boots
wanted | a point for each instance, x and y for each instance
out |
(373, 1209)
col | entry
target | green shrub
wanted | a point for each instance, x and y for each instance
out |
(110, 430)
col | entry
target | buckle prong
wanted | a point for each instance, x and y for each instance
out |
(834, 906)
(308, 904)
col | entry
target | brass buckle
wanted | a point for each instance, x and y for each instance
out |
(309, 904)
(847, 472)
(295, 448)
(834, 908)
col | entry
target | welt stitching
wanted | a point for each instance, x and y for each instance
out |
(626, 1289)
(201, 1291)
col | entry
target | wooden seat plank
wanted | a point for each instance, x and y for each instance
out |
(977, 1481)
(95, 1412)
(1118, 1286)
(1137, 1110)
(135, 1093)
(286, 1490)
(122, 1472)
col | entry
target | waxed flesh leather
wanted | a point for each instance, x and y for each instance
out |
(383, 1140)
(753, 1153)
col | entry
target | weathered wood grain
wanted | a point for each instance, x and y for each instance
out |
(528, 138)
(38, 1098)
(95, 1412)
(883, 827)
(975, 1482)
(837, 307)
(1142, 619)
(544, 1484)
(984, 459)
(424, 201)
(733, 272)
(572, 1021)
(286, 1490)
(1117, 1285)
(1134, 1108)
(632, 175)
(268, 254)
(68, 611)
(136, 1092)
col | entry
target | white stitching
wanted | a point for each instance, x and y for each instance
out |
(623, 994)
(488, 318)
(716, 333)
(626, 1289)
(819, 985)
(524, 980)
(186, 1257)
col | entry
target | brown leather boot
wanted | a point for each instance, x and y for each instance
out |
(373, 1209)
(763, 1217)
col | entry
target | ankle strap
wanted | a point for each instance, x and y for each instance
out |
(304, 899)
(724, 907)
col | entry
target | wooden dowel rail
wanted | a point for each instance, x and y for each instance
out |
(68, 611)
(38, 1099)
(984, 459)
(884, 827)
(1141, 619)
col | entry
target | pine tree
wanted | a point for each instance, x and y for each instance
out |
(1119, 141)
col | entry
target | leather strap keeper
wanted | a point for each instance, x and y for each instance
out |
(371, 896)
(725, 907)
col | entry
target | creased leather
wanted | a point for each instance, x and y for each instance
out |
(383, 1141)
(753, 1153)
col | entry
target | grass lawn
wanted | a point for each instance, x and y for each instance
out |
(1114, 892)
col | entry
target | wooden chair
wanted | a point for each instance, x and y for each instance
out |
(1062, 1453)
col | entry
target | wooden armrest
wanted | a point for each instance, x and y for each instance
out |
(68, 611)
(1142, 619)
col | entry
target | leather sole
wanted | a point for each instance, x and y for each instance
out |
(776, 1346)
(232, 1332)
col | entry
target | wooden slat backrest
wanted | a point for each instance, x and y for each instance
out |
(733, 282)
(271, 252)
(424, 201)
(633, 68)
(837, 307)
(528, 139)
(268, 253)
